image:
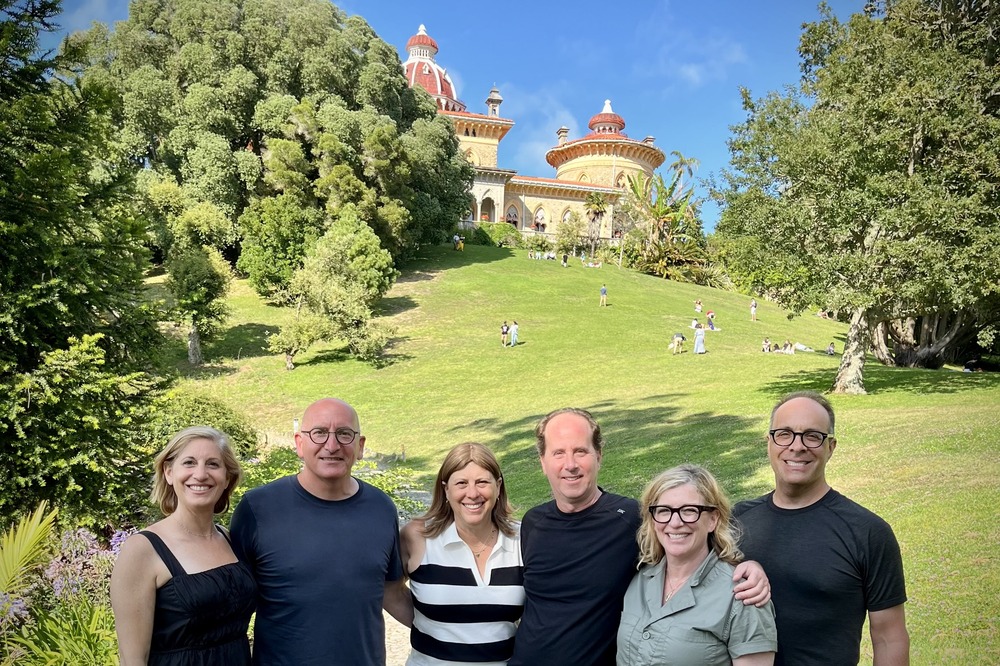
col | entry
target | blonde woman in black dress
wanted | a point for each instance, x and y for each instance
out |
(179, 594)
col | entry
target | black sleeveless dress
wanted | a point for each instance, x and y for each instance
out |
(201, 619)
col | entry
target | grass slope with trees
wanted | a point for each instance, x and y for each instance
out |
(920, 449)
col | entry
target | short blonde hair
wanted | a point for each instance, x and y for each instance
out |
(163, 493)
(722, 540)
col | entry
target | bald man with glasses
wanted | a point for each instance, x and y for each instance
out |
(324, 549)
(831, 562)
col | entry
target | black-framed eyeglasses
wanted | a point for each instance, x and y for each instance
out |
(811, 439)
(689, 513)
(345, 436)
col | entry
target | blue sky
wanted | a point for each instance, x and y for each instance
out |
(671, 69)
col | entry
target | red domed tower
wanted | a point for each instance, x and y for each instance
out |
(606, 156)
(421, 70)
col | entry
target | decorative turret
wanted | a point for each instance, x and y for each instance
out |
(421, 70)
(493, 102)
(606, 155)
(607, 121)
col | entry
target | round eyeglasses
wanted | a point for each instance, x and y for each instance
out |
(345, 436)
(811, 439)
(689, 513)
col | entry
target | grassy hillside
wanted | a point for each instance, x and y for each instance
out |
(921, 449)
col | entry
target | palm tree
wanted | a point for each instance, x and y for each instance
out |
(683, 164)
(596, 206)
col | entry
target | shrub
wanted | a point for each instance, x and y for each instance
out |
(476, 236)
(181, 408)
(502, 234)
(538, 243)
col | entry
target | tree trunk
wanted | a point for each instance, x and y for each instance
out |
(850, 376)
(194, 347)
(879, 345)
(289, 361)
(906, 342)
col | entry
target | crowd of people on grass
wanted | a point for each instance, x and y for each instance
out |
(590, 577)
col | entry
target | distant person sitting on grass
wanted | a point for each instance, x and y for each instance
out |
(831, 350)
(766, 345)
(697, 305)
(787, 348)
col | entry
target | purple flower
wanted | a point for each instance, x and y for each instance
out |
(119, 537)
(12, 609)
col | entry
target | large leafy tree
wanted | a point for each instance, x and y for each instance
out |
(249, 100)
(75, 335)
(872, 188)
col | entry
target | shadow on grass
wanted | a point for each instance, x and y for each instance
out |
(433, 259)
(207, 371)
(242, 341)
(327, 356)
(882, 379)
(393, 305)
(640, 442)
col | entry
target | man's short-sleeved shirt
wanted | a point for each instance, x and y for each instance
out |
(321, 568)
(577, 567)
(829, 564)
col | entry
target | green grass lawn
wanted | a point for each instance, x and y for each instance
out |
(920, 450)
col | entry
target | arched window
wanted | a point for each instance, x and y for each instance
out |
(622, 181)
(512, 215)
(540, 219)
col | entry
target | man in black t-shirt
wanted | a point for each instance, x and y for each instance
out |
(830, 561)
(580, 553)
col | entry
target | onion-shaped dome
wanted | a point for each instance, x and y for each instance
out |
(607, 121)
(421, 70)
(422, 40)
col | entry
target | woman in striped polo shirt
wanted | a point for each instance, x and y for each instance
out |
(463, 558)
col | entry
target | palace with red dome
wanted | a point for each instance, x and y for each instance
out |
(600, 161)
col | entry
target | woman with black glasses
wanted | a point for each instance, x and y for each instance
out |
(679, 608)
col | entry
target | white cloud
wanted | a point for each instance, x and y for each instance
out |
(538, 114)
(679, 55)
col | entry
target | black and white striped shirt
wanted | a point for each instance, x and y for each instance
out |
(459, 616)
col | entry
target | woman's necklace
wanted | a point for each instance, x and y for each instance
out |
(486, 544)
(672, 589)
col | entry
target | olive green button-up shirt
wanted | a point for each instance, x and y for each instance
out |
(702, 624)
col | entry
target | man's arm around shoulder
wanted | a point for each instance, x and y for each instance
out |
(890, 640)
(398, 602)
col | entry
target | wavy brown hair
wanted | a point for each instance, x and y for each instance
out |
(439, 516)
